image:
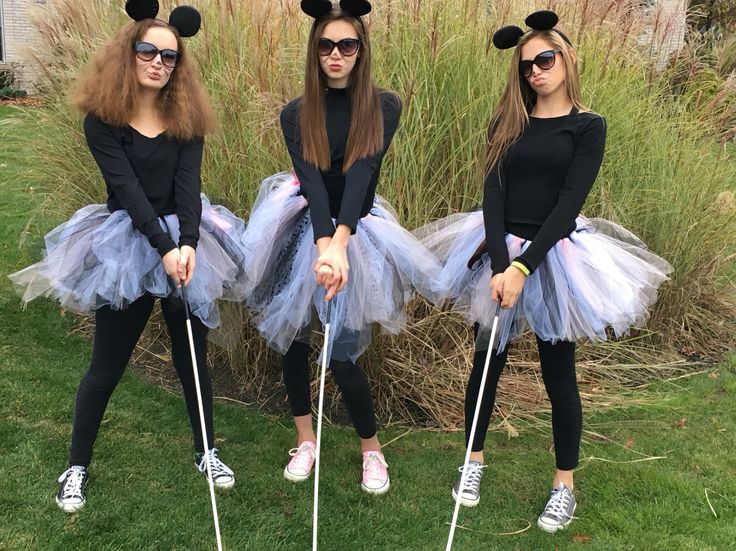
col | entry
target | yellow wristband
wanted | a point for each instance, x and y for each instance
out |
(520, 266)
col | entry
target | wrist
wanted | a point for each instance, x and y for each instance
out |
(341, 236)
(521, 267)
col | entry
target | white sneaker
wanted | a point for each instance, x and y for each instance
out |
(222, 475)
(470, 494)
(375, 473)
(302, 461)
(72, 483)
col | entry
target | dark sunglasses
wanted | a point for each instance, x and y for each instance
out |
(544, 60)
(148, 52)
(346, 46)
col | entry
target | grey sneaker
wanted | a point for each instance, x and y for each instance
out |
(559, 511)
(470, 495)
(72, 484)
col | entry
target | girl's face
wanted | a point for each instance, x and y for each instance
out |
(155, 58)
(338, 52)
(542, 66)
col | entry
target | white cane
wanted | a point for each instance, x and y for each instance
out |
(201, 419)
(325, 361)
(471, 437)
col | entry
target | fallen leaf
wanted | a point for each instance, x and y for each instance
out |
(680, 424)
(581, 538)
(629, 443)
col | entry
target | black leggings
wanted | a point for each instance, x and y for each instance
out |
(116, 334)
(350, 379)
(558, 373)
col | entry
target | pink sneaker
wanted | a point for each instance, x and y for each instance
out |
(301, 462)
(375, 473)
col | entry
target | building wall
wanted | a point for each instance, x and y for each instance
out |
(18, 37)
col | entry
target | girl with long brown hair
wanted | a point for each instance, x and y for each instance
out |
(146, 115)
(321, 234)
(553, 271)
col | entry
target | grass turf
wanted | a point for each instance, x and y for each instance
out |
(145, 493)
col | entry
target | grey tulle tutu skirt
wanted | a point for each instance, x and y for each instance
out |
(600, 278)
(388, 266)
(97, 258)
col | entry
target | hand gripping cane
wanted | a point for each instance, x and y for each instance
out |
(325, 361)
(201, 419)
(494, 328)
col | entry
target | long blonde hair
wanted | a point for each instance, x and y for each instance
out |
(518, 99)
(365, 137)
(110, 90)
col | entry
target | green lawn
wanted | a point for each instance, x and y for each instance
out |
(145, 494)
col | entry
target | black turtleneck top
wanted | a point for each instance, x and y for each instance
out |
(149, 177)
(346, 197)
(542, 184)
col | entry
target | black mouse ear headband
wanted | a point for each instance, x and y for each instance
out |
(185, 19)
(318, 8)
(543, 20)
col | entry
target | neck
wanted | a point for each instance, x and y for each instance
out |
(337, 82)
(556, 104)
(147, 101)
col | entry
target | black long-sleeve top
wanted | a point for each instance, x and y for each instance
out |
(346, 197)
(542, 184)
(149, 177)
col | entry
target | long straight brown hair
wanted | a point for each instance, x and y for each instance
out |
(109, 87)
(518, 99)
(365, 137)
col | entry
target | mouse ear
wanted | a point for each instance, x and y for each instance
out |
(356, 8)
(138, 10)
(316, 8)
(507, 37)
(187, 20)
(542, 20)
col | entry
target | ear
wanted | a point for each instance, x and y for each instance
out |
(356, 8)
(573, 56)
(507, 37)
(542, 20)
(138, 10)
(316, 8)
(186, 20)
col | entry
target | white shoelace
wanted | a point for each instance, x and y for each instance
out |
(73, 483)
(558, 504)
(217, 467)
(472, 479)
(304, 455)
(372, 466)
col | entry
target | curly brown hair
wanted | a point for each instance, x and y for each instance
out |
(110, 90)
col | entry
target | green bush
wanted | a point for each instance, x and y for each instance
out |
(666, 170)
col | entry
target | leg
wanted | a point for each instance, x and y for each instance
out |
(498, 361)
(296, 378)
(558, 373)
(356, 393)
(173, 310)
(116, 334)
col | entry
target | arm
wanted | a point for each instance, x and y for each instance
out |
(360, 175)
(310, 178)
(187, 188)
(581, 175)
(494, 203)
(122, 180)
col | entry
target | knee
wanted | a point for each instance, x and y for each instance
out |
(348, 376)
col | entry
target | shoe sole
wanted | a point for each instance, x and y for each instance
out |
(552, 528)
(294, 477)
(69, 507)
(225, 485)
(376, 491)
(464, 500)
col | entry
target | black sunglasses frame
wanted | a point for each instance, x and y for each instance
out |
(341, 45)
(542, 60)
(155, 51)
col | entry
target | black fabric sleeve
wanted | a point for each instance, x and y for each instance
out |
(360, 175)
(581, 175)
(121, 179)
(187, 187)
(310, 178)
(494, 203)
